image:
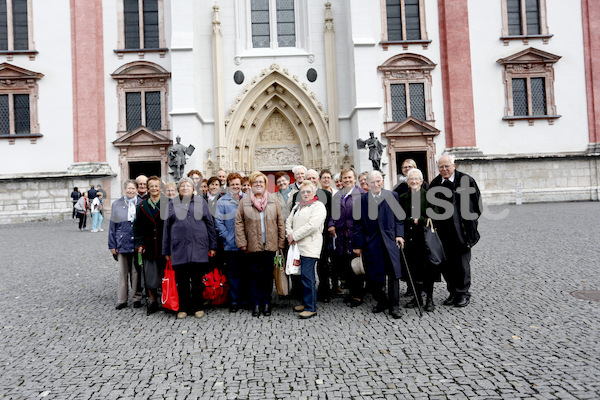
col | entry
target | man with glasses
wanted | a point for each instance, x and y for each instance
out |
(458, 229)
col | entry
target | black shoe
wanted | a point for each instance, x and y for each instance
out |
(137, 304)
(267, 310)
(347, 299)
(378, 309)
(413, 303)
(256, 311)
(395, 314)
(121, 306)
(152, 308)
(233, 308)
(449, 301)
(354, 302)
(429, 305)
(463, 301)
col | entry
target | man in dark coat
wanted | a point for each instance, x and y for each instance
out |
(456, 192)
(377, 236)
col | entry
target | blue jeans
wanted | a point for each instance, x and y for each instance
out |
(309, 284)
(96, 220)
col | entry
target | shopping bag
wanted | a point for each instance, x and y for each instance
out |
(215, 287)
(169, 297)
(292, 265)
(282, 283)
(433, 244)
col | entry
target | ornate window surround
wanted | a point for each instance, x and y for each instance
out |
(11, 52)
(544, 31)
(403, 69)
(243, 34)
(385, 43)
(15, 80)
(121, 50)
(141, 77)
(529, 63)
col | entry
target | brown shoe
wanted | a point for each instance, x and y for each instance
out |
(307, 314)
(299, 308)
(181, 315)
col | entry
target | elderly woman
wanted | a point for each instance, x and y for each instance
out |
(362, 181)
(197, 178)
(121, 244)
(170, 190)
(340, 225)
(260, 232)
(213, 194)
(235, 269)
(402, 186)
(414, 204)
(285, 194)
(189, 239)
(148, 233)
(338, 181)
(246, 185)
(304, 227)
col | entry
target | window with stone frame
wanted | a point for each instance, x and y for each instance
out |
(403, 23)
(18, 103)
(16, 28)
(273, 23)
(407, 86)
(142, 93)
(524, 20)
(141, 27)
(529, 86)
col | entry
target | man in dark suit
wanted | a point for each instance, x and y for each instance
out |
(458, 194)
(323, 271)
(377, 237)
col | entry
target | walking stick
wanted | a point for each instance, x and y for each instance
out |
(412, 283)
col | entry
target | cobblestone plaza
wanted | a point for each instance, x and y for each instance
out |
(524, 335)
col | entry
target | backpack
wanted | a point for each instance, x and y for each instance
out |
(215, 287)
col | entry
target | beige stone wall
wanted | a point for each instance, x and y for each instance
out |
(41, 198)
(506, 180)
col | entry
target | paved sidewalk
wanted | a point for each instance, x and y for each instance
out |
(524, 336)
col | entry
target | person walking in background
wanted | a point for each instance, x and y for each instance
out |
(260, 232)
(121, 244)
(189, 239)
(96, 211)
(81, 207)
(304, 227)
(75, 195)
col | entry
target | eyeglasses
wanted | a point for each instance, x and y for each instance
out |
(306, 192)
(444, 166)
(407, 167)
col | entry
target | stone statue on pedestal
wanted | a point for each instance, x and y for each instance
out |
(177, 159)
(375, 149)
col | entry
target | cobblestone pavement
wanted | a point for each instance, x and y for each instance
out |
(524, 336)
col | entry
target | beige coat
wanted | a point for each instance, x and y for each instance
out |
(306, 226)
(248, 231)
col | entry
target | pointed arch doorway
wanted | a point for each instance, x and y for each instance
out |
(277, 123)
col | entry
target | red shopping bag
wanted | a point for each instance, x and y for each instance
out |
(215, 287)
(169, 298)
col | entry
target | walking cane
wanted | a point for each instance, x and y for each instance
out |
(412, 283)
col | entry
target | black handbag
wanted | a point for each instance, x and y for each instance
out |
(433, 244)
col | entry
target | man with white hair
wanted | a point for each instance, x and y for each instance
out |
(459, 193)
(377, 237)
(299, 175)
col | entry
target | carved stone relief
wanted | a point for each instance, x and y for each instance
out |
(266, 157)
(277, 130)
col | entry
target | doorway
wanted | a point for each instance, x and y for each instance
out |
(148, 168)
(420, 158)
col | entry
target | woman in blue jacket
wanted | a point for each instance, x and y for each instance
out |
(226, 209)
(121, 244)
(189, 239)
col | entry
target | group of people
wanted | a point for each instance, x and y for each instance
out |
(337, 222)
(91, 200)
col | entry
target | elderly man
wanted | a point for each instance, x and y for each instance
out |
(457, 193)
(142, 181)
(377, 237)
(299, 175)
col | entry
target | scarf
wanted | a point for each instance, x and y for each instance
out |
(286, 193)
(259, 204)
(131, 203)
(308, 202)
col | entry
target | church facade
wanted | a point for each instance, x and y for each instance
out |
(96, 92)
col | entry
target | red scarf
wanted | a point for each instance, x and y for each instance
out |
(259, 204)
(307, 203)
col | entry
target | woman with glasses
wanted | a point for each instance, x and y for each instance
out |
(402, 186)
(260, 232)
(304, 227)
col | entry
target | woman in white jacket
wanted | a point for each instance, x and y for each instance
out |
(304, 226)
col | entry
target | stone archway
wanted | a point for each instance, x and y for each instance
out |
(275, 123)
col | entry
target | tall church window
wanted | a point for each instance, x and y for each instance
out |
(16, 29)
(273, 23)
(524, 20)
(403, 23)
(141, 26)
